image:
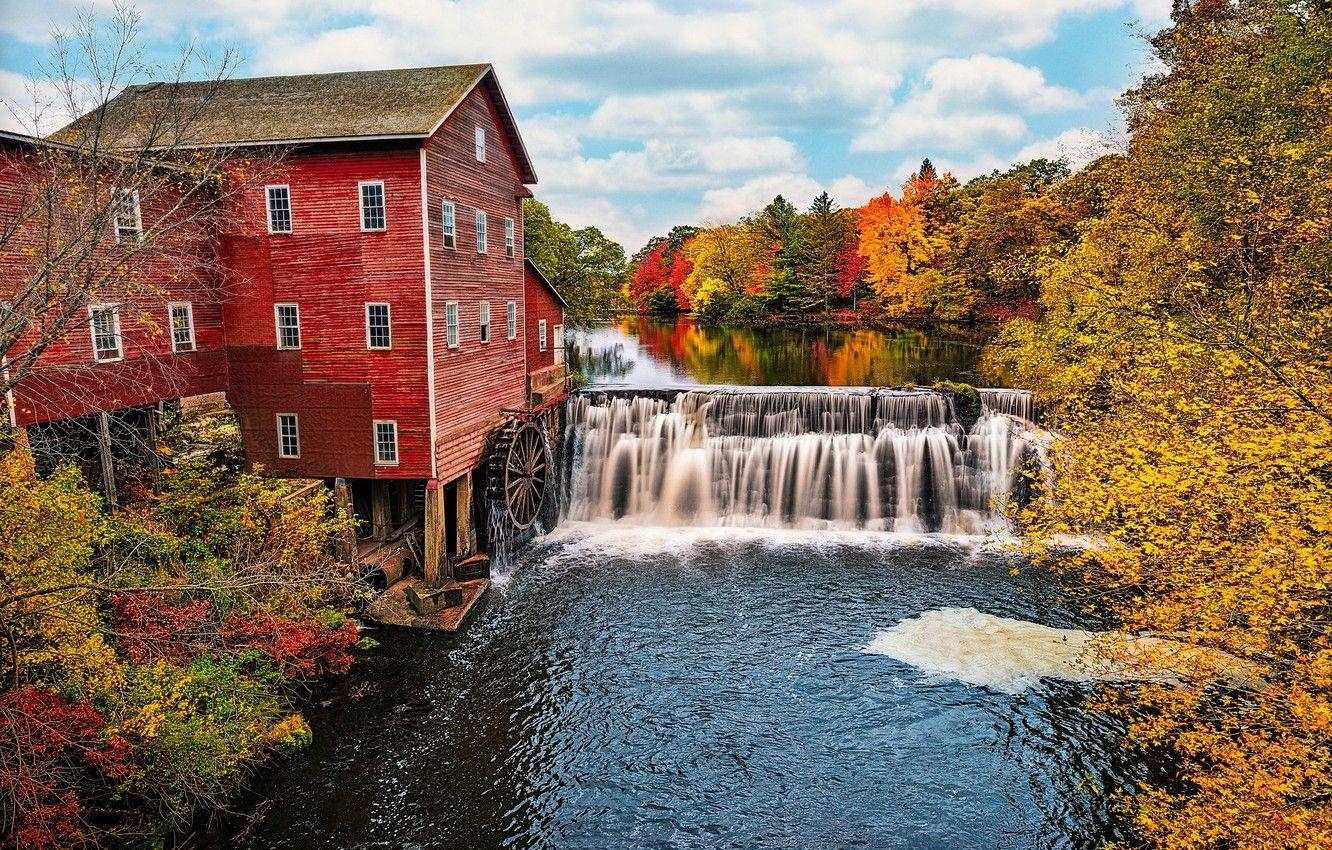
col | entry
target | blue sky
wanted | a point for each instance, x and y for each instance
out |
(644, 114)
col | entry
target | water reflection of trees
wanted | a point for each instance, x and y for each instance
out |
(713, 354)
(600, 362)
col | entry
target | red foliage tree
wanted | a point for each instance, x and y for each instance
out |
(681, 268)
(851, 267)
(53, 757)
(652, 275)
(150, 630)
(302, 650)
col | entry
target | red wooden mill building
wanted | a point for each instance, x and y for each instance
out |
(370, 323)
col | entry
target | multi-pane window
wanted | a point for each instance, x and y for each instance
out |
(125, 212)
(541, 334)
(377, 327)
(480, 231)
(372, 206)
(451, 323)
(288, 318)
(450, 227)
(480, 144)
(182, 326)
(508, 238)
(289, 435)
(485, 321)
(386, 442)
(513, 320)
(279, 209)
(105, 323)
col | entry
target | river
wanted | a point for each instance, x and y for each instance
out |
(674, 674)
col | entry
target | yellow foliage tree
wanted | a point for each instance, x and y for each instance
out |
(1185, 351)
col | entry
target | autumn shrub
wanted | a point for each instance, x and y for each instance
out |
(57, 755)
(158, 651)
(198, 728)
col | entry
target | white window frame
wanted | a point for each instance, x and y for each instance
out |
(481, 231)
(511, 314)
(480, 137)
(189, 325)
(296, 422)
(388, 327)
(135, 233)
(383, 204)
(268, 206)
(541, 334)
(508, 238)
(277, 325)
(483, 320)
(93, 310)
(448, 223)
(451, 324)
(374, 435)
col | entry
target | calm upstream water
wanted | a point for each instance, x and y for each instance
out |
(643, 352)
(732, 682)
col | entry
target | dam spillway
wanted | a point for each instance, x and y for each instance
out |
(896, 460)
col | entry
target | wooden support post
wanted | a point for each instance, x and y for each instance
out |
(342, 501)
(380, 522)
(104, 455)
(154, 457)
(436, 567)
(466, 533)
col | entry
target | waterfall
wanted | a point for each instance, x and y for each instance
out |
(844, 458)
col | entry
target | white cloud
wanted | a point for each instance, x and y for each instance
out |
(994, 82)
(643, 112)
(31, 106)
(732, 202)
(1077, 147)
(963, 103)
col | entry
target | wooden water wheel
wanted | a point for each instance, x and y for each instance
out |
(519, 469)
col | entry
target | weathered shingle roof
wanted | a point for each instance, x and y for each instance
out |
(309, 108)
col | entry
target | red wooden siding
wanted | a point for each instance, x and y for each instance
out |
(541, 304)
(475, 380)
(331, 269)
(67, 381)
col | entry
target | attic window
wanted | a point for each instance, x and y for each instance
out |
(372, 206)
(128, 220)
(279, 209)
(480, 144)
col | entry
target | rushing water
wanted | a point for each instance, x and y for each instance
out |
(768, 619)
(881, 460)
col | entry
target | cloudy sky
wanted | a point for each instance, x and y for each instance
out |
(647, 113)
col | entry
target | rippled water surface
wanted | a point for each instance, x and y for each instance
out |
(701, 690)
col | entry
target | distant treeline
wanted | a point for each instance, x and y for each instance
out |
(939, 249)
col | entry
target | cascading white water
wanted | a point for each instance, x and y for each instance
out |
(886, 460)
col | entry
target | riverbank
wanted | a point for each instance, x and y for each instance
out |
(162, 652)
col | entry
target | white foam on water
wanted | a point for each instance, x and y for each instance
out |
(634, 540)
(982, 649)
(1012, 656)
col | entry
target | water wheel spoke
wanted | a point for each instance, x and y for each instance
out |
(520, 467)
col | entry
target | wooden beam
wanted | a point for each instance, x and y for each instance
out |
(342, 501)
(380, 516)
(104, 455)
(435, 568)
(466, 534)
